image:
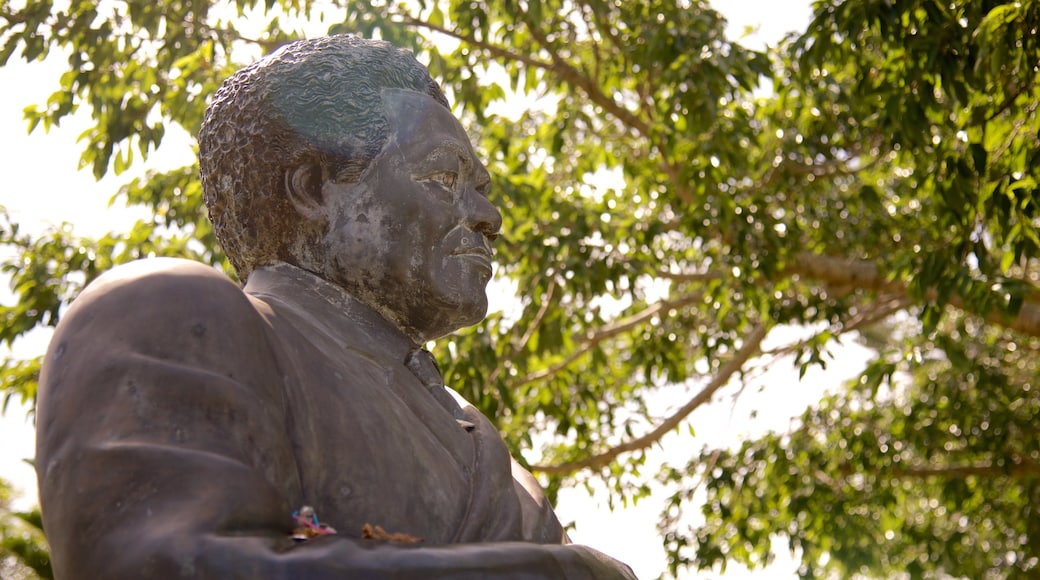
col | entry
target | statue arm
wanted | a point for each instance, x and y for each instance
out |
(161, 450)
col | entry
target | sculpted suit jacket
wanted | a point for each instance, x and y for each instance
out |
(181, 421)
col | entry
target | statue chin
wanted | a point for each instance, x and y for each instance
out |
(433, 324)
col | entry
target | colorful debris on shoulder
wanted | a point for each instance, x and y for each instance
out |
(308, 526)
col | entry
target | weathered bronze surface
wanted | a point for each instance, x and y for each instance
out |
(183, 421)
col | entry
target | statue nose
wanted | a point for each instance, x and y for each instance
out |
(482, 215)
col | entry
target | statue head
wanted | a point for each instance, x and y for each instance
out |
(311, 101)
(340, 155)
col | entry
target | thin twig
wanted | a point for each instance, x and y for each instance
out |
(750, 348)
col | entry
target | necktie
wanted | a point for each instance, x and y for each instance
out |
(424, 367)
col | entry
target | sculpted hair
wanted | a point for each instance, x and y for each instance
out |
(312, 101)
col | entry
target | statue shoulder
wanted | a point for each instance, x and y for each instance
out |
(171, 271)
(151, 315)
(153, 297)
(159, 284)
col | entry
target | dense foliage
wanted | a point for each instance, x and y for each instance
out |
(23, 549)
(884, 188)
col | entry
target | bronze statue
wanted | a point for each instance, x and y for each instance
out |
(296, 428)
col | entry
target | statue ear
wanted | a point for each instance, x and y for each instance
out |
(303, 186)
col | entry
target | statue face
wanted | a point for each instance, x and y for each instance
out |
(413, 238)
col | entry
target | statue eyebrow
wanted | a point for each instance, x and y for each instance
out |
(450, 147)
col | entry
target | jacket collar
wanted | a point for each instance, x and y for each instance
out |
(328, 307)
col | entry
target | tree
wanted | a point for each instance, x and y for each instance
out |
(23, 549)
(884, 190)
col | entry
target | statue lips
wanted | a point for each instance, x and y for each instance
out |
(480, 255)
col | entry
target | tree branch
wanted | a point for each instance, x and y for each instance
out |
(979, 469)
(574, 77)
(694, 277)
(542, 310)
(750, 348)
(633, 121)
(1017, 466)
(571, 75)
(870, 314)
(605, 29)
(607, 332)
(867, 276)
(494, 50)
(557, 66)
(535, 323)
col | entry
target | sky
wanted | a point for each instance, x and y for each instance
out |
(44, 187)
